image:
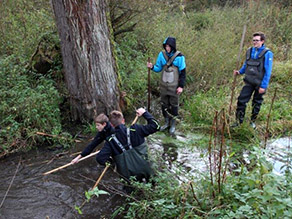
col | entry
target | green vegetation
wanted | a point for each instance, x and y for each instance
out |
(210, 42)
(208, 34)
(30, 100)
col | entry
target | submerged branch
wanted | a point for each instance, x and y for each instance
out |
(11, 182)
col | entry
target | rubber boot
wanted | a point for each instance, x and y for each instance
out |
(239, 119)
(172, 127)
(166, 125)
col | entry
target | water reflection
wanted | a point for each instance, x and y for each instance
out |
(279, 154)
(180, 155)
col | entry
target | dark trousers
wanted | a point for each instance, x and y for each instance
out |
(169, 102)
(243, 99)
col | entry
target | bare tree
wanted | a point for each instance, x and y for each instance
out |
(89, 65)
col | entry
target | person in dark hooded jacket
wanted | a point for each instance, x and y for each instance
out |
(173, 67)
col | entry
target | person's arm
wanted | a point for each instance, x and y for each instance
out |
(268, 65)
(181, 81)
(160, 62)
(182, 78)
(152, 125)
(99, 138)
(89, 148)
(104, 155)
(242, 70)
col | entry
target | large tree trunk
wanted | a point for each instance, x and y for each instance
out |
(89, 65)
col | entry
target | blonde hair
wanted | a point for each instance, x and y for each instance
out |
(116, 118)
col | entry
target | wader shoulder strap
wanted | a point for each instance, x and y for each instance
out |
(170, 60)
(165, 56)
(248, 53)
(129, 139)
(263, 52)
(120, 144)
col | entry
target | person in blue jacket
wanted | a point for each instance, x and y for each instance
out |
(257, 69)
(171, 63)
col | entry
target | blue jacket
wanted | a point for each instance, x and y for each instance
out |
(137, 135)
(179, 61)
(267, 65)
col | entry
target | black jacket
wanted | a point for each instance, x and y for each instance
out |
(137, 135)
(99, 138)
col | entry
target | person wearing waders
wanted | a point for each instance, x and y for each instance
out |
(257, 69)
(173, 67)
(127, 146)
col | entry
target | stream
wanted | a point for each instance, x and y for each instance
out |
(54, 196)
(279, 154)
(33, 195)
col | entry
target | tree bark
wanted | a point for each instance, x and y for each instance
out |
(88, 62)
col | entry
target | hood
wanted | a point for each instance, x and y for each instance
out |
(171, 42)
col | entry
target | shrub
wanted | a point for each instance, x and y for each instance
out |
(26, 107)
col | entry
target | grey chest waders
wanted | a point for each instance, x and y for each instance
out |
(170, 74)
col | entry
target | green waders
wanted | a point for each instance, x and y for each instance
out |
(134, 161)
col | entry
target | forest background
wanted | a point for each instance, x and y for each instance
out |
(34, 97)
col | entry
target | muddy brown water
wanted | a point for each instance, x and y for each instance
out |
(33, 195)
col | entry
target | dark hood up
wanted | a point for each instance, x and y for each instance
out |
(171, 42)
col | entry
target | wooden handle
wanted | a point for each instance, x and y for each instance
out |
(135, 120)
(69, 164)
(149, 88)
(100, 177)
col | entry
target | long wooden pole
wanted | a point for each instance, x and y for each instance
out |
(69, 164)
(101, 175)
(135, 120)
(210, 152)
(96, 184)
(237, 67)
(268, 120)
(149, 88)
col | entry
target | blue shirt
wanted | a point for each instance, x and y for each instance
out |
(267, 65)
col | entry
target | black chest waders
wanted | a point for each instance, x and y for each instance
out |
(255, 68)
(134, 161)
